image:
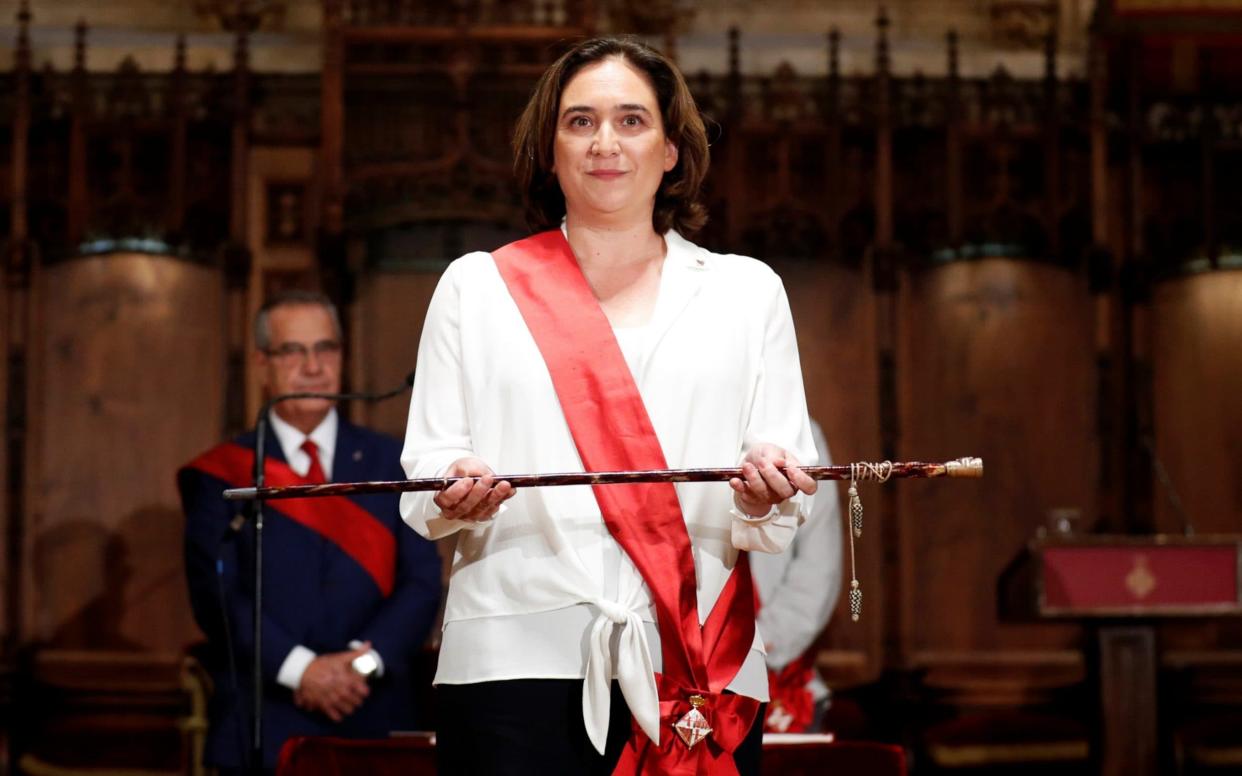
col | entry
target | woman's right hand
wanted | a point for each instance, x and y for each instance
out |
(475, 497)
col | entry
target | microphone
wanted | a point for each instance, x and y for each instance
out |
(1170, 492)
(255, 515)
(368, 397)
(239, 521)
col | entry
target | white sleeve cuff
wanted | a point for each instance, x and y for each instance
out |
(771, 533)
(439, 527)
(290, 673)
(752, 519)
(379, 661)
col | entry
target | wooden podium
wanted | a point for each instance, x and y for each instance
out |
(1122, 586)
(414, 755)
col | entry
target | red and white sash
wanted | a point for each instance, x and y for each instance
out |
(612, 432)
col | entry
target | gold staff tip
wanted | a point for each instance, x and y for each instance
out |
(964, 467)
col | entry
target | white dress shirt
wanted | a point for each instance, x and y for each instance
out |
(543, 590)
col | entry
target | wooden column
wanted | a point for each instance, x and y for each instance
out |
(332, 118)
(1105, 271)
(832, 148)
(1052, 148)
(1207, 143)
(237, 254)
(953, 146)
(17, 287)
(332, 249)
(79, 202)
(1135, 301)
(884, 281)
(1128, 700)
(175, 218)
(736, 146)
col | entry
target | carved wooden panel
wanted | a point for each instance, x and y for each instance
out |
(995, 359)
(130, 387)
(8, 574)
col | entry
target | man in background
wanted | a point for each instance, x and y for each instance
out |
(349, 592)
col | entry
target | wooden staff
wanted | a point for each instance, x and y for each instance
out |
(960, 467)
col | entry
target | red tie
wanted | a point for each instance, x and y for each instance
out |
(314, 475)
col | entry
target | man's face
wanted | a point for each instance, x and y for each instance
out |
(304, 354)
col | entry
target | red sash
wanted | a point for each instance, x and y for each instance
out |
(612, 431)
(350, 527)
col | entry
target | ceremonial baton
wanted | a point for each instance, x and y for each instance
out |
(865, 471)
(960, 467)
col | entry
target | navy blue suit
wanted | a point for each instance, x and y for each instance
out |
(315, 594)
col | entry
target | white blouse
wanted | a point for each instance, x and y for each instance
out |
(542, 590)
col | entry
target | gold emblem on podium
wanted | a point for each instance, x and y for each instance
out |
(1140, 581)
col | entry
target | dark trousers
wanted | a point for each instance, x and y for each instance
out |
(535, 726)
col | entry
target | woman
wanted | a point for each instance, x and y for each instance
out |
(605, 342)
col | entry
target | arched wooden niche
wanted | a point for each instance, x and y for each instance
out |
(995, 359)
(129, 384)
(1196, 384)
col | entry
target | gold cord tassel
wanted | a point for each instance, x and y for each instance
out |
(855, 531)
(856, 510)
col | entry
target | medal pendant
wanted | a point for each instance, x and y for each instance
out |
(693, 728)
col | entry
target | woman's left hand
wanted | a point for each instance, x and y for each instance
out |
(770, 474)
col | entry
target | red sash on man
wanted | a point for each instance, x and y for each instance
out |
(337, 519)
(612, 432)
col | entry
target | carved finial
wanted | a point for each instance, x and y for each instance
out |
(834, 53)
(79, 46)
(951, 39)
(734, 56)
(969, 467)
(881, 44)
(179, 54)
(22, 55)
(241, 48)
(1050, 55)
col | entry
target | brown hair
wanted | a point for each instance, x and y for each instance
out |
(677, 203)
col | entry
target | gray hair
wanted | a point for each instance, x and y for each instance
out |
(293, 297)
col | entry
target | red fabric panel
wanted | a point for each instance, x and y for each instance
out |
(1139, 578)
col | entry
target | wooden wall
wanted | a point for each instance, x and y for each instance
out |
(1196, 382)
(130, 354)
(834, 312)
(1196, 385)
(995, 359)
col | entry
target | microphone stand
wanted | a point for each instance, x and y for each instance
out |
(255, 514)
(1166, 483)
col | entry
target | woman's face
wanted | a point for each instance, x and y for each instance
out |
(610, 152)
